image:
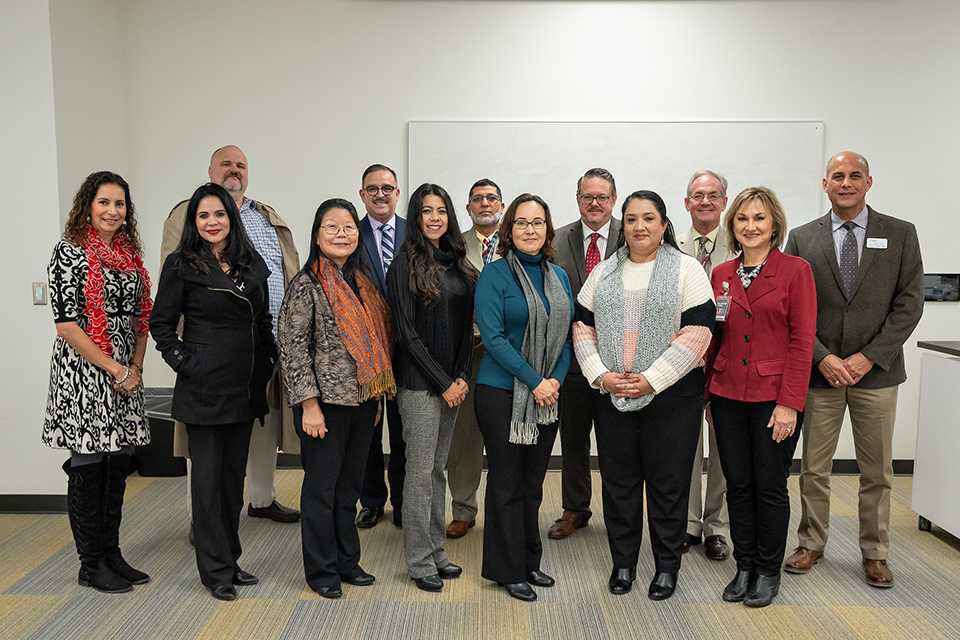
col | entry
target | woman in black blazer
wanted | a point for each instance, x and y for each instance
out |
(217, 281)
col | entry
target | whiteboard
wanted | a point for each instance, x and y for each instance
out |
(547, 158)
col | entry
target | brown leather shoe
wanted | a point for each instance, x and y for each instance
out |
(690, 540)
(803, 560)
(459, 528)
(274, 511)
(715, 548)
(565, 526)
(877, 573)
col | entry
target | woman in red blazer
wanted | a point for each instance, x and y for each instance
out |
(758, 372)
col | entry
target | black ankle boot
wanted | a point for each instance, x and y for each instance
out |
(84, 495)
(763, 590)
(663, 585)
(736, 591)
(115, 470)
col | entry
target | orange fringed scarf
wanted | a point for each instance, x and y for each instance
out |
(364, 328)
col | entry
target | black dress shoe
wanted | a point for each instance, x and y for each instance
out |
(274, 511)
(662, 585)
(715, 548)
(224, 592)
(763, 590)
(690, 540)
(329, 592)
(520, 591)
(242, 578)
(449, 571)
(429, 583)
(369, 517)
(736, 591)
(540, 579)
(621, 580)
(360, 579)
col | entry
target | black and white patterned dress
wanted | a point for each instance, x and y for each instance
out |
(84, 413)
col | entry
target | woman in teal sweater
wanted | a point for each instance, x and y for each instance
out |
(523, 309)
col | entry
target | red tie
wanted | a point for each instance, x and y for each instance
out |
(593, 253)
(486, 249)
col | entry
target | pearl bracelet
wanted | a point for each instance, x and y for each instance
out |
(124, 378)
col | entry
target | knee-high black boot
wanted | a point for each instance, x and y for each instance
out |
(115, 468)
(84, 495)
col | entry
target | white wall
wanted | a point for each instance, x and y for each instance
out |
(316, 91)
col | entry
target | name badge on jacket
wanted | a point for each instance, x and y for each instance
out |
(723, 303)
(876, 243)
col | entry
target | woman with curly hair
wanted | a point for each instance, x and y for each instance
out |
(430, 285)
(100, 295)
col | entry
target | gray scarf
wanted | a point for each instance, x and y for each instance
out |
(656, 325)
(543, 341)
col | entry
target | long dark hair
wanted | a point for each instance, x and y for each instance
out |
(425, 271)
(355, 261)
(669, 236)
(76, 228)
(238, 252)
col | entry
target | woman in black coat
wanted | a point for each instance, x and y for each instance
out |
(217, 281)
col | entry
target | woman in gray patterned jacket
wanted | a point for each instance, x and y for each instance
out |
(335, 343)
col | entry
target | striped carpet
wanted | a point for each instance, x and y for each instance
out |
(39, 596)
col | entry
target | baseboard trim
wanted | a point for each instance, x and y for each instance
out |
(33, 503)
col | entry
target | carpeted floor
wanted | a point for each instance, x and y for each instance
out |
(40, 598)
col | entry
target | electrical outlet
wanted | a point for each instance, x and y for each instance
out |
(39, 293)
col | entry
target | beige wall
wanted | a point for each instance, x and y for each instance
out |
(316, 91)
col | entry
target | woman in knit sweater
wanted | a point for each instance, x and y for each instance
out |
(643, 324)
(523, 310)
(430, 285)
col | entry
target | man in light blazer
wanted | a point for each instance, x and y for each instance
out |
(382, 230)
(580, 246)
(707, 517)
(869, 278)
(465, 461)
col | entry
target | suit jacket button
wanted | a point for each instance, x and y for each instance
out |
(744, 361)
(749, 315)
(746, 338)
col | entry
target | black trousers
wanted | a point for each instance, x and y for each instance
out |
(219, 456)
(332, 477)
(374, 493)
(757, 469)
(576, 421)
(511, 530)
(653, 447)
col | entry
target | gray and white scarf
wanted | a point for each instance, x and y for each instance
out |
(543, 341)
(656, 326)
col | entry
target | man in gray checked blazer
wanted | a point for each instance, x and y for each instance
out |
(869, 278)
(596, 233)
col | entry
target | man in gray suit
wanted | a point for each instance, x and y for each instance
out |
(869, 300)
(580, 246)
(707, 242)
(465, 461)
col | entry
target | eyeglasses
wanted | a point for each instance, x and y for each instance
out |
(387, 190)
(713, 198)
(601, 199)
(493, 199)
(335, 229)
(537, 223)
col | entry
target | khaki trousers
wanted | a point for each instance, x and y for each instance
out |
(872, 414)
(708, 515)
(465, 462)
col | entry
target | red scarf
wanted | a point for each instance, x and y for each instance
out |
(364, 328)
(120, 257)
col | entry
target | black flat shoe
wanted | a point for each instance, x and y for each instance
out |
(520, 591)
(429, 583)
(329, 592)
(662, 586)
(243, 579)
(449, 571)
(763, 590)
(369, 517)
(224, 592)
(540, 579)
(361, 579)
(621, 580)
(736, 591)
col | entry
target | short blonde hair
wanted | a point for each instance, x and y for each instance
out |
(774, 208)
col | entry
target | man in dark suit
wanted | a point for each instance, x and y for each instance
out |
(869, 278)
(382, 231)
(580, 246)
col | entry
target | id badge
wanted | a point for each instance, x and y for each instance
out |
(723, 307)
